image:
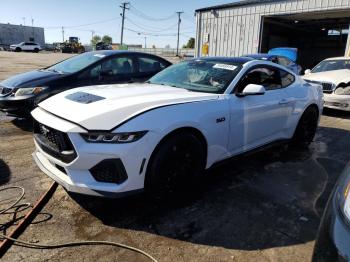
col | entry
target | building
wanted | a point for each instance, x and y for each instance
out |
(14, 34)
(318, 28)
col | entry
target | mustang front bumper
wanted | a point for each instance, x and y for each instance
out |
(78, 176)
(99, 169)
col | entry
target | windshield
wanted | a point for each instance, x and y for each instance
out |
(76, 63)
(329, 65)
(198, 75)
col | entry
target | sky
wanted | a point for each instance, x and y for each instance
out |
(154, 19)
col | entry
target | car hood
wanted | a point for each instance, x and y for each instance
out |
(334, 76)
(31, 79)
(105, 107)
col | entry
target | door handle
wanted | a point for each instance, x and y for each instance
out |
(285, 101)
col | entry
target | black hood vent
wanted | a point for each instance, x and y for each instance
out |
(84, 98)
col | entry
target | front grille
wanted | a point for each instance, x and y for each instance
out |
(54, 142)
(5, 90)
(327, 87)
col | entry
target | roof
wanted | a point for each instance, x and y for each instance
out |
(112, 52)
(236, 4)
(259, 56)
(239, 60)
(339, 58)
(115, 52)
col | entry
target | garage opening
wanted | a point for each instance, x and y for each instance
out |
(317, 35)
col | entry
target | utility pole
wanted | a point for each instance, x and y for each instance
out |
(92, 34)
(178, 32)
(92, 38)
(124, 6)
(24, 21)
(145, 41)
(33, 28)
(62, 34)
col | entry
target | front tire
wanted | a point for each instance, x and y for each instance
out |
(36, 50)
(175, 165)
(306, 128)
(18, 49)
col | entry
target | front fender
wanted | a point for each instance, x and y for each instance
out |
(201, 115)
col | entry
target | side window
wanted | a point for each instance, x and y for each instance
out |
(147, 64)
(266, 76)
(117, 66)
(286, 78)
(95, 72)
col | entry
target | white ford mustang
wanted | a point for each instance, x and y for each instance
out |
(334, 75)
(161, 135)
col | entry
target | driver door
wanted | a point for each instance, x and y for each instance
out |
(258, 119)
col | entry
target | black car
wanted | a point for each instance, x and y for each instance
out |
(21, 93)
(333, 239)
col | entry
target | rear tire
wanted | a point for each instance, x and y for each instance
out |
(306, 128)
(36, 50)
(175, 166)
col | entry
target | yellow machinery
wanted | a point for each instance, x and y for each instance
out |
(72, 46)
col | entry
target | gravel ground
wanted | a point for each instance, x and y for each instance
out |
(264, 206)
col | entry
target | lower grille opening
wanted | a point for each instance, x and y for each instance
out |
(61, 168)
(109, 171)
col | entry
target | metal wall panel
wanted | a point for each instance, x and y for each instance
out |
(15, 34)
(235, 31)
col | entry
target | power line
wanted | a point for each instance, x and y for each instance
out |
(150, 34)
(144, 28)
(141, 14)
(94, 23)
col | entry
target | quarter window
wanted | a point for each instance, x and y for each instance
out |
(147, 64)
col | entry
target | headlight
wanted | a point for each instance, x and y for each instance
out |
(342, 90)
(343, 194)
(29, 91)
(113, 137)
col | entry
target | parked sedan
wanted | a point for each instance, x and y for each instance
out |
(334, 75)
(26, 46)
(333, 239)
(160, 135)
(21, 93)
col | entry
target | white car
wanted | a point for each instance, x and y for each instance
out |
(26, 46)
(160, 135)
(334, 75)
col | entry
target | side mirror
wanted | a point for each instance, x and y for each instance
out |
(307, 71)
(252, 89)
